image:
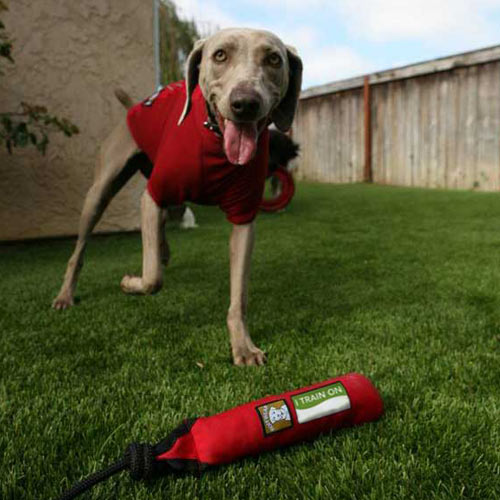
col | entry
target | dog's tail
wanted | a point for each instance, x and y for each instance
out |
(124, 98)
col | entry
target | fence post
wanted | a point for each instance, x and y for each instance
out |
(368, 173)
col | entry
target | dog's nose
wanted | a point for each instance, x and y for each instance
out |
(245, 104)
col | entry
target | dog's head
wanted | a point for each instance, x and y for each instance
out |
(248, 79)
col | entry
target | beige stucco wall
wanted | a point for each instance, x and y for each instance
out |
(70, 56)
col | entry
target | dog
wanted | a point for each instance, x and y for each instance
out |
(282, 150)
(208, 139)
(278, 414)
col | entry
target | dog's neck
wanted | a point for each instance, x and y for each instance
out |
(211, 122)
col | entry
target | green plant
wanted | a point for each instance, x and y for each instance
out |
(29, 124)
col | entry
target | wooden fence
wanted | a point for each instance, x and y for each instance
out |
(434, 124)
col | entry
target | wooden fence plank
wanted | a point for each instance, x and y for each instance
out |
(451, 170)
(471, 151)
(415, 132)
(495, 124)
(461, 117)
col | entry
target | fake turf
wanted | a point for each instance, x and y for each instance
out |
(402, 285)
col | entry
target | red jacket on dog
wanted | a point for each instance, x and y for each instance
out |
(189, 159)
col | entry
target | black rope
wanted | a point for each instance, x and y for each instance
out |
(139, 459)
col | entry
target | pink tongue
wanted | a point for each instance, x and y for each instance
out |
(240, 141)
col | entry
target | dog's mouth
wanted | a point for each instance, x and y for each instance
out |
(240, 138)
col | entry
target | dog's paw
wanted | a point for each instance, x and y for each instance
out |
(137, 286)
(188, 220)
(62, 302)
(127, 283)
(251, 356)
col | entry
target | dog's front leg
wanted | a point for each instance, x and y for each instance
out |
(240, 247)
(154, 250)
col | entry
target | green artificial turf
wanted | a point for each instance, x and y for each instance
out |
(402, 285)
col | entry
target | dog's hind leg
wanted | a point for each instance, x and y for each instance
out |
(114, 171)
(153, 239)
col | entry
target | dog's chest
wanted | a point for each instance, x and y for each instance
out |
(189, 160)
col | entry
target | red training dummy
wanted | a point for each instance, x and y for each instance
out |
(263, 425)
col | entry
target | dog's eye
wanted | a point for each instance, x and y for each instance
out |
(220, 55)
(274, 60)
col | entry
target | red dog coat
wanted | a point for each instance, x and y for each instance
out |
(189, 163)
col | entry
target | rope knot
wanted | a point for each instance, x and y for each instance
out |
(140, 459)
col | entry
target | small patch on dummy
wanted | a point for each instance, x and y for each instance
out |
(274, 416)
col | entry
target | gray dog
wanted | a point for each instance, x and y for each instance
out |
(247, 80)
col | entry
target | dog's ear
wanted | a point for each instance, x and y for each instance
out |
(192, 74)
(283, 115)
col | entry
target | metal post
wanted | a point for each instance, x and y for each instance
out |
(156, 42)
(368, 174)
